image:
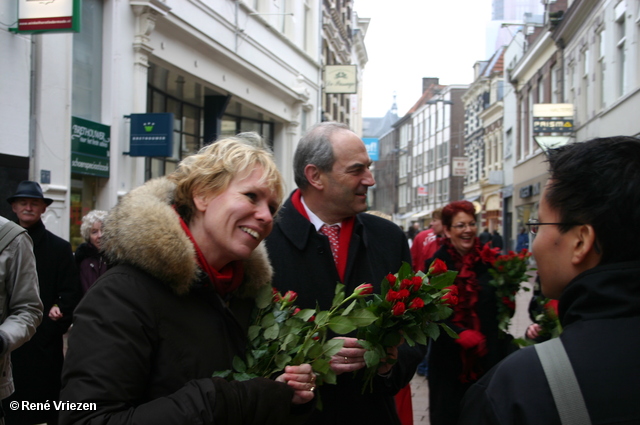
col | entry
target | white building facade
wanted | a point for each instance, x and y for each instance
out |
(219, 66)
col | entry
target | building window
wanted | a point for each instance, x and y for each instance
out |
(600, 71)
(621, 55)
(584, 85)
(87, 64)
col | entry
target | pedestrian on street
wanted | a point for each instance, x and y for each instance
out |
(175, 307)
(588, 257)
(324, 237)
(19, 299)
(37, 364)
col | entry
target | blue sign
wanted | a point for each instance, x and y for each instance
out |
(372, 147)
(151, 135)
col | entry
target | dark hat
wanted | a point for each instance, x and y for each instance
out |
(29, 189)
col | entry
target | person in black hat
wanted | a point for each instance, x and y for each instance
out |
(37, 365)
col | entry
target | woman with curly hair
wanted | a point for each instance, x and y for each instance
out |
(90, 261)
(454, 364)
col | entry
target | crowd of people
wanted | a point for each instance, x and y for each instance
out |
(162, 291)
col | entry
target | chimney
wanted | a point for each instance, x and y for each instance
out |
(429, 81)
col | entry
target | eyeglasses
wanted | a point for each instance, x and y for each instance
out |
(463, 226)
(533, 225)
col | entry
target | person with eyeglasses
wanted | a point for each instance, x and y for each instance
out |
(454, 364)
(588, 258)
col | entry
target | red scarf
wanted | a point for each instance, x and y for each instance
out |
(224, 281)
(346, 230)
(464, 313)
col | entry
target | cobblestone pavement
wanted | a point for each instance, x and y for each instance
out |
(420, 385)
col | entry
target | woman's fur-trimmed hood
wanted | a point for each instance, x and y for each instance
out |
(144, 230)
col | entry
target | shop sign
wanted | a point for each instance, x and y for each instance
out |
(90, 143)
(151, 135)
(341, 79)
(371, 144)
(552, 118)
(459, 166)
(37, 16)
(423, 191)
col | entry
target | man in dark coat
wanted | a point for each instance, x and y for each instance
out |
(331, 167)
(588, 257)
(37, 365)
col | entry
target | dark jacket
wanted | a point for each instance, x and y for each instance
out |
(38, 363)
(445, 364)
(600, 314)
(91, 264)
(152, 330)
(302, 262)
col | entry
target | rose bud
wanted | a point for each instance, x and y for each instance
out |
(364, 289)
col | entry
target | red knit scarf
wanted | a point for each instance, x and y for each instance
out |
(224, 281)
(346, 230)
(464, 313)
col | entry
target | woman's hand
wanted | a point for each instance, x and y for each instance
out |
(350, 357)
(302, 380)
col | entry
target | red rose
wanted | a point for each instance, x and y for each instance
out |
(392, 295)
(451, 297)
(509, 303)
(417, 283)
(312, 319)
(416, 304)
(296, 311)
(398, 309)
(391, 278)
(276, 295)
(405, 284)
(364, 289)
(290, 296)
(403, 293)
(488, 255)
(437, 267)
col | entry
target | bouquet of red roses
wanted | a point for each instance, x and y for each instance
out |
(508, 272)
(283, 334)
(411, 306)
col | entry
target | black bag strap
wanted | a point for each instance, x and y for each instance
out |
(563, 383)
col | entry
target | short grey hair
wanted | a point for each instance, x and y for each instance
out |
(89, 220)
(315, 148)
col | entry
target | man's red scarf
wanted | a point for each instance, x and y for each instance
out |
(346, 230)
(224, 281)
(464, 313)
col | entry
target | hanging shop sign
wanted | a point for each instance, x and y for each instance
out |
(371, 143)
(90, 143)
(553, 118)
(341, 79)
(37, 16)
(459, 166)
(151, 135)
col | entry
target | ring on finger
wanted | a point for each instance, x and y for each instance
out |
(346, 359)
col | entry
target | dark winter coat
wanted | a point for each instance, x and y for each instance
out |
(38, 363)
(600, 314)
(91, 264)
(302, 262)
(152, 330)
(445, 365)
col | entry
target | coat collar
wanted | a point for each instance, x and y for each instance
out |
(143, 230)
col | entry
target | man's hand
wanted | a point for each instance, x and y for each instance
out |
(55, 313)
(350, 358)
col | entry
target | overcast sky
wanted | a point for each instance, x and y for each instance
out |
(411, 39)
